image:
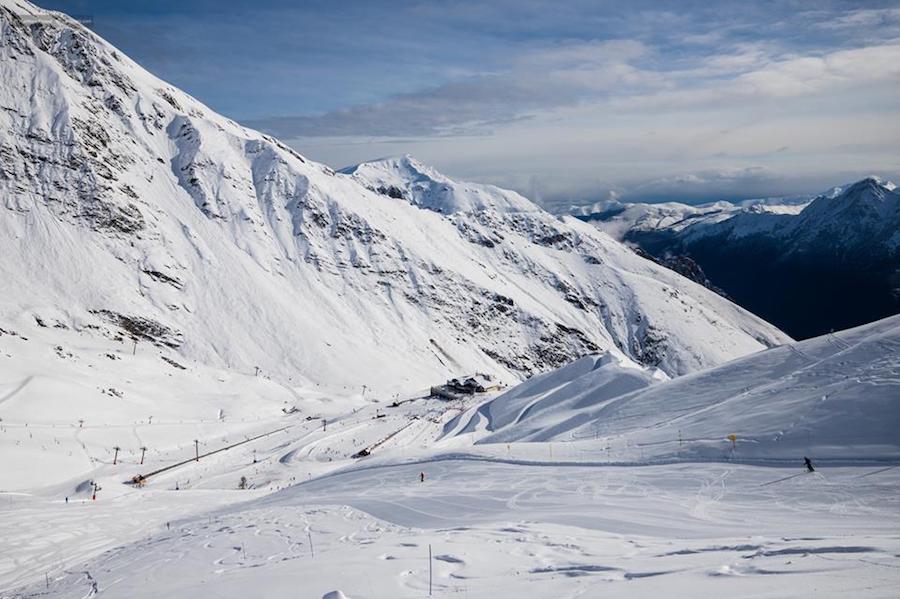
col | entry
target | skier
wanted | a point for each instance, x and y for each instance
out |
(421, 477)
(809, 466)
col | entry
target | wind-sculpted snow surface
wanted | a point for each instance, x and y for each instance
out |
(834, 397)
(554, 402)
(131, 210)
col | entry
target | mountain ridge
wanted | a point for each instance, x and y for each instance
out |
(831, 265)
(134, 211)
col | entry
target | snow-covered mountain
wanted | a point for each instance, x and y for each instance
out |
(407, 178)
(131, 210)
(834, 397)
(862, 217)
(830, 263)
(620, 219)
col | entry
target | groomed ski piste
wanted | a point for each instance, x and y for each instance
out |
(598, 479)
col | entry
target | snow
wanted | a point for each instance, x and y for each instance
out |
(685, 531)
(535, 409)
(620, 218)
(833, 396)
(126, 200)
(646, 492)
(871, 205)
(425, 187)
(179, 283)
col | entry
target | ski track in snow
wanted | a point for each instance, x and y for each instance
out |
(523, 529)
(542, 519)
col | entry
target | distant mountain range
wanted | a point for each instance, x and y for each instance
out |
(827, 263)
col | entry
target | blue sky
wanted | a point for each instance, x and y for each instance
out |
(568, 102)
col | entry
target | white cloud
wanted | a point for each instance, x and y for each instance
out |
(871, 17)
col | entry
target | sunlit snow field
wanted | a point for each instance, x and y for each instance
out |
(638, 494)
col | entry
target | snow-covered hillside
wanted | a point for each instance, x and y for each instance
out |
(131, 210)
(636, 488)
(835, 396)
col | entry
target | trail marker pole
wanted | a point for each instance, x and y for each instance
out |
(196, 450)
(134, 349)
(733, 438)
(143, 451)
(116, 455)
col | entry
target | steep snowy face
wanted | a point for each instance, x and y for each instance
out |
(598, 277)
(132, 211)
(864, 215)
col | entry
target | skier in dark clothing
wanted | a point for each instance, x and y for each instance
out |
(808, 463)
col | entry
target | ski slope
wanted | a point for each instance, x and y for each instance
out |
(511, 530)
(835, 396)
(626, 507)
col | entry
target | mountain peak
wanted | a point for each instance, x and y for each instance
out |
(876, 180)
(874, 184)
(405, 177)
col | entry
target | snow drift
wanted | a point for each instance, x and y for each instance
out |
(835, 396)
